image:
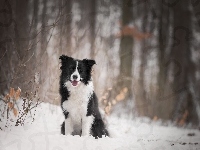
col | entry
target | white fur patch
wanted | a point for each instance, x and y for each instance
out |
(76, 73)
(76, 105)
(86, 125)
(68, 126)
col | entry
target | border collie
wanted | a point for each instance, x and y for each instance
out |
(78, 100)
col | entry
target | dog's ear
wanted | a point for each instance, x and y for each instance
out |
(62, 57)
(89, 62)
(64, 60)
(65, 57)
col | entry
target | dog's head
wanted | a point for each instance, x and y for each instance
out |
(75, 70)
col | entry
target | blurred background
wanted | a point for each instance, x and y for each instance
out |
(147, 53)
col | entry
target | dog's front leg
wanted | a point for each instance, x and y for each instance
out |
(86, 125)
(68, 126)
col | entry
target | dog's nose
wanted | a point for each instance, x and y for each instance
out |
(75, 77)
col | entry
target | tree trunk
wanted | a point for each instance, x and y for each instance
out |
(68, 26)
(162, 40)
(160, 109)
(183, 70)
(126, 55)
(140, 93)
(43, 32)
(21, 76)
(6, 28)
(126, 52)
(92, 21)
(42, 52)
(122, 89)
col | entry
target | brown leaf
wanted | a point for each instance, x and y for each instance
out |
(155, 118)
(10, 105)
(125, 90)
(132, 32)
(7, 97)
(12, 92)
(17, 94)
(15, 112)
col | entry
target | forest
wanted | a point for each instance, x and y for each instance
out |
(147, 53)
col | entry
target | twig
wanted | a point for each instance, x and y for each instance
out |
(3, 100)
(25, 112)
(29, 59)
(3, 55)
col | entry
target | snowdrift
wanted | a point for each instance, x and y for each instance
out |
(44, 133)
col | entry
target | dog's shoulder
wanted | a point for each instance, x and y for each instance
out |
(93, 108)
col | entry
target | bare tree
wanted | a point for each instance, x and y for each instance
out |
(69, 25)
(122, 89)
(15, 45)
(163, 35)
(183, 69)
(126, 53)
(92, 20)
(164, 21)
(140, 93)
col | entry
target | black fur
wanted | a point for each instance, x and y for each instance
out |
(68, 66)
(63, 128)
(98, 128)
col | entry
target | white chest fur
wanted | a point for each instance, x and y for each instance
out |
(77, 103)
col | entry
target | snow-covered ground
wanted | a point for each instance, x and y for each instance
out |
(126, 134)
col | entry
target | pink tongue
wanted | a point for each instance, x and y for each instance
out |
(74, 83)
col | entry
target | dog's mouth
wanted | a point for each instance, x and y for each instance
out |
(74, 83)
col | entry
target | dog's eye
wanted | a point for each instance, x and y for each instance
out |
(80, 70)
(72, 68)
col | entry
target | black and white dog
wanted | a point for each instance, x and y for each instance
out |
(78, 100)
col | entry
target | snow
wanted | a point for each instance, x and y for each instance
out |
(126, 134)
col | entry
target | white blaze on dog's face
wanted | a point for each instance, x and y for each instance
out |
(75, 77)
